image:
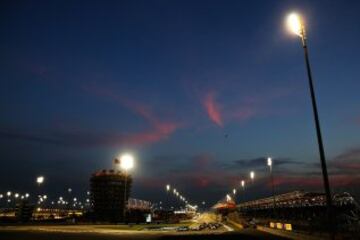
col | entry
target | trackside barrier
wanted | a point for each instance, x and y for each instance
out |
(281, 226)
(289, 234)
(288, 227)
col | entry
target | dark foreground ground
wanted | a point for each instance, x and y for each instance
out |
(43, 235)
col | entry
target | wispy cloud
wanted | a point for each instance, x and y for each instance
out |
(241, 110)
(86, 138)
(262, 161)
(348, 161)
(213, 108)
(159, 129)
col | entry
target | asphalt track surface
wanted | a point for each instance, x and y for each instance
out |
(42, 234)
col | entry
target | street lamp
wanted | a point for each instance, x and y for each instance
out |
(40, 180)
(252, 176)
(270, 163)
(168, 188)
(228, 198)
(296, 25)
(126, 163)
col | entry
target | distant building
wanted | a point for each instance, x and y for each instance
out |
(108, 196)
(24, 211)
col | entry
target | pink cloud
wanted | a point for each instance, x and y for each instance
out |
(213, 109)
(243, 114)
(160, 129)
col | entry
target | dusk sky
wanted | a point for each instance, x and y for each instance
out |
(201, 92)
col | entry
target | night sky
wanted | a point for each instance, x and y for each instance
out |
(201, 92)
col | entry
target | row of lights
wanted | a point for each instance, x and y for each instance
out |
(252, 177)
(181, 197)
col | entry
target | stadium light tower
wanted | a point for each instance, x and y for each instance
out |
(270, 165)
(252, 176)
(126, 163)
(296, 25)
(243, 184)
(40, 180)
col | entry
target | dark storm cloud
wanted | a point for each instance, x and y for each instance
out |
(261, 161)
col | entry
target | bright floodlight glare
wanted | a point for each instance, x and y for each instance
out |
(8, 194)
(228, 198)
(234, 191)
(126, 162)
(40, 180)
(242, 183)
(294, 23)
(252, 174)
(269, 162)
(168, 187)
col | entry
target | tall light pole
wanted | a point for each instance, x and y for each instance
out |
(39, 180)
(126, 163)
(252, 176)
(168, 188)
(270, 164)
(296, 25)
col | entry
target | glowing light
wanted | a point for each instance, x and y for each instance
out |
(16, 195)
(252, 175)
(126, 162)
(242, 183)
(40, 180)
(269, 162)
(228, 198)
(8, 194)
(294, 24)
(234, 191)
(168, 187)
(27, 195)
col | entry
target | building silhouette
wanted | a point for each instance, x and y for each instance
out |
(110, 191)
